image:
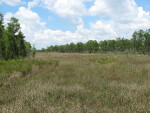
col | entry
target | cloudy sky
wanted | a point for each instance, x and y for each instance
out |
(55, 22)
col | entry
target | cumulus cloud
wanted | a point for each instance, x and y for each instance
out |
(8, 15)
(72, 9)
(11, 2)
(124, 18)
(63, 8)
(33, 3)
(36, 32)
(30, 23)
(123, 11)
(116, 9)
(66, 8)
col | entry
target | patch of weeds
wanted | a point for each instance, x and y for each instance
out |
(7, 95)
(107, 60)
(23, 65)
(147, 93)
(46, 62)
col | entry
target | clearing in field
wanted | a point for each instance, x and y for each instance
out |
(75, 83)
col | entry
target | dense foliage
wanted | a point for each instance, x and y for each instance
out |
(12, 43)
(139, 43)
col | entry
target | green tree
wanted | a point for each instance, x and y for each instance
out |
(49, 49)
(33, 51)
(134, 39)
(21, 48)
(8, 52)
(140, 41)
(13, 29)
(61, 48)
(1, 35)
(147, 40)
(28, 47)
(72, 47)
(103, 46)
(92, 46)
(79, 47)
(12, 43)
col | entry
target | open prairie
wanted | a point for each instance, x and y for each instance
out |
(76, 83)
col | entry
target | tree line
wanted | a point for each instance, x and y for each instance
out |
(139, 43)
(12, 40)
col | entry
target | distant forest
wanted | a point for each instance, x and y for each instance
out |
(12, 43)
(139, 43)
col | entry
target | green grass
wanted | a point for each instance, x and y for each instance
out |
(23, 65)
(107, 60)
(76, 83)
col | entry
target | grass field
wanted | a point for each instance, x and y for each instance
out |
(76, 83)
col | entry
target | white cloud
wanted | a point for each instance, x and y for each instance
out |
(63, 8)
(33, 3)
(8, 15)
(72, 9)
(36, 32)
(30, 23)
(122, 10)
(66, 8)
(11, 2)
(125, 17)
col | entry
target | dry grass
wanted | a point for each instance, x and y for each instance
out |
(77, 83)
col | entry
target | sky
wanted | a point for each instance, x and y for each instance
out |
(58, 22)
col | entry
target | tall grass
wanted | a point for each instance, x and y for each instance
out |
(23, 65)
(76, 83)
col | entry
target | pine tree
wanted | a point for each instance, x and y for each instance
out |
(21, 45)
(8, 52)
(13, 28)
(1, 35)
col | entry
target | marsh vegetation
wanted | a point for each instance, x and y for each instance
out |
(75, 83)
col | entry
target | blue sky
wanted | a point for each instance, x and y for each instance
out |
(52, 22)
